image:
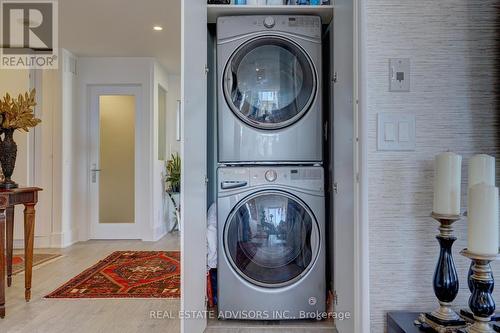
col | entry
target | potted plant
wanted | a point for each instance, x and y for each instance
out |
(174, 173)
(15, 114)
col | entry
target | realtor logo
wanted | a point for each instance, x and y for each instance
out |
(28, 34)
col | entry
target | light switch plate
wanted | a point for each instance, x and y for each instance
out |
(396, 132)
(399, 74)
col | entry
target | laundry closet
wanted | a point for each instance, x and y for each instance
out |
(279, 156)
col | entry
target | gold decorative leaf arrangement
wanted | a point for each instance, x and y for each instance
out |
(18, 113)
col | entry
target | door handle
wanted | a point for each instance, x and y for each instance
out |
(94, 174)
(233, 184)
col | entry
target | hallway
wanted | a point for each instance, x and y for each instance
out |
(86, 315)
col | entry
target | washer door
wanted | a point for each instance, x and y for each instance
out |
(271, 239)
(269, 82)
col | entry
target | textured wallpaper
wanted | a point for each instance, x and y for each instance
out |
(454, 46)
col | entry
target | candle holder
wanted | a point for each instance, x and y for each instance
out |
(445, 282)
(467, 314)
(481, 301)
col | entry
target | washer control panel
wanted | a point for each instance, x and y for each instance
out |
(234, 178)
(302, 21)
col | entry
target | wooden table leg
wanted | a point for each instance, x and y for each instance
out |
(29, 233)
(10, 242)
(2, 262)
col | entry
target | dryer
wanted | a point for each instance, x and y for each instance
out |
(271, 243)
(269, 89)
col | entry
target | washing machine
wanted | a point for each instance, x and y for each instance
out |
(269, 89)
(271, 243)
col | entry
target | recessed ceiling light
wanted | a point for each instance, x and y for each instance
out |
(157, 28)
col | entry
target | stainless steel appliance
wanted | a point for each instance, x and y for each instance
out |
(271, 242)
(269, 89)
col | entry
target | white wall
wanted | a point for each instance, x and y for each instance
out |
(454, 51)
(66, 195)
(162, 123)
(172, 145)
(43, 155)
(15, 82)
(35, 150)
(160, 203)
(173, 95)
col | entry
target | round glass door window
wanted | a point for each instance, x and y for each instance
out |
(271, 239)
(269, 82)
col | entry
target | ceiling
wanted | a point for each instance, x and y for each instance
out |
(122, 28)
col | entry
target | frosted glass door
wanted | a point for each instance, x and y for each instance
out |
(116, 157)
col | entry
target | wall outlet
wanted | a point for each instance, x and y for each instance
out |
(399, 74)
(396, 132)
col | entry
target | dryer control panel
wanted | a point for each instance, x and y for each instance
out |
(237, 26)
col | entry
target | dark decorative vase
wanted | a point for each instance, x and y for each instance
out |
(8, 155)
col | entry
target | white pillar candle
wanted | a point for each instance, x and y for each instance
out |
(482, 223)
(447, 181)
(482, 170)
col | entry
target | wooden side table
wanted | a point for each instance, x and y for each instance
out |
(28, 197)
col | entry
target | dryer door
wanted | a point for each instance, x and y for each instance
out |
(271, 239)
(269, 82)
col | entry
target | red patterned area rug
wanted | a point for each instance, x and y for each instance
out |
(127, 274)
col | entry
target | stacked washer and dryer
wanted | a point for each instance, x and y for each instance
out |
(271, 201)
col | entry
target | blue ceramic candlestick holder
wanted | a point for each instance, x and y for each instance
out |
(444, 319)
(481, 301)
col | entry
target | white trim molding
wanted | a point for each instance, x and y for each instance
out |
(194, 163)
(56, 240)
(361, 220)
(63, 239)
(41, 242)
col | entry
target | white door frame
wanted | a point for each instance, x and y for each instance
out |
(193, 109)
(361, 218)
(113, 230)
(194, 164)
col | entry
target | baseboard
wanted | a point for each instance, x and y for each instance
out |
(63, 239)
(70, 238)
(56, 240)
(41, 242)
(160, 232)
